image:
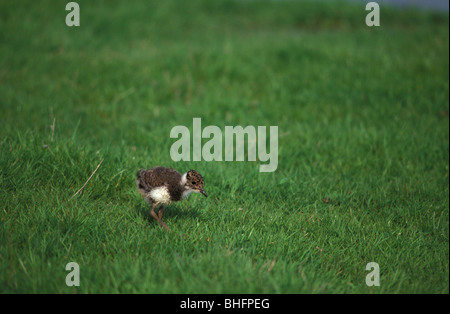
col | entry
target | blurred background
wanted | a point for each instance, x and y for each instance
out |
(420, 4)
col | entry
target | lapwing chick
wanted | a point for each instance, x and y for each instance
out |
(162, 185)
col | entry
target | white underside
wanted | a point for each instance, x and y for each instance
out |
(160, 195)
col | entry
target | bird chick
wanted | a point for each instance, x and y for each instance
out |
(161, 185)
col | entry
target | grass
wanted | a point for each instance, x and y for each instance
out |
(363, 172)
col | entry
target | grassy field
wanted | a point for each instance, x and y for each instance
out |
(363, 171)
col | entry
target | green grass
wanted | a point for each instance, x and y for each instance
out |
(363, 172)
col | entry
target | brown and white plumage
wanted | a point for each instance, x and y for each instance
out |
(162, 185)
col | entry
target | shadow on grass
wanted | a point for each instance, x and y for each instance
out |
(173, 212)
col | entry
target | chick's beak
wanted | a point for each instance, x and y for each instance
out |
(203, 192)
